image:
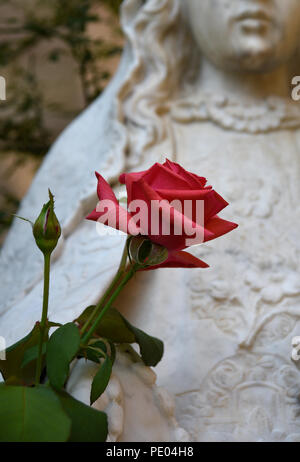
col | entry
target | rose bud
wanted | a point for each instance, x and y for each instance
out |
(145, 252)
(46, 229)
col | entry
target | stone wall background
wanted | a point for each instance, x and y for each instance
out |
(56, 56)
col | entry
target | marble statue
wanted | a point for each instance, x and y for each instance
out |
(205, 83)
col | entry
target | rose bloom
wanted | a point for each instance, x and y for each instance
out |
(157, 188)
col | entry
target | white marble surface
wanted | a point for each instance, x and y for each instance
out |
(214, 96)
(130, 387)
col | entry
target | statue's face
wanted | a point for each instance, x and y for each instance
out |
(248, 35)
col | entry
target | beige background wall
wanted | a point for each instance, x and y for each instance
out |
(61, 89)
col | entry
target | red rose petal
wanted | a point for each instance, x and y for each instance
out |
(142, 191)
(114, 213)
(219, 227)
(180, 259)
(213, 202)
(194, 180)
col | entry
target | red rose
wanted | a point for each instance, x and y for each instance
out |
(169, 225)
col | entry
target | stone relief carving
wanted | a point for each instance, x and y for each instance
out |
(271, 114)
(247, 397)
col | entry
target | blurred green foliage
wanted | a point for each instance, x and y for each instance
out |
(22, 125)
(64, 26)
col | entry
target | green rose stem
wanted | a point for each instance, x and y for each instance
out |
(46, 231)
(113, 297)
(43, 323)
(116, 280)
(142, 253)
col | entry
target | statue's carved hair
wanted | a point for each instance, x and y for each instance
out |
(164, 59)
